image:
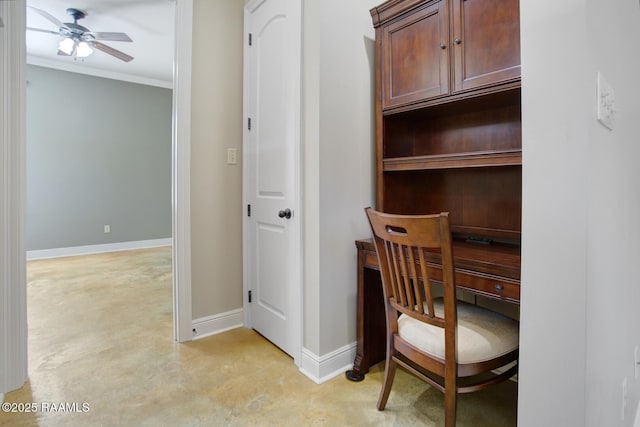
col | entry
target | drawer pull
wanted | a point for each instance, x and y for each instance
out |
(499, 288)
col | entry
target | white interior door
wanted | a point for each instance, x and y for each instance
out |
(271, 141)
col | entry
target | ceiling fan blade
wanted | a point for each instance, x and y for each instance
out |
(49, 17)
(62, 53)
(113, 37)
(43, 31)
(111, 51)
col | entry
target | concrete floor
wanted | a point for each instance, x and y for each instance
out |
(100, 342)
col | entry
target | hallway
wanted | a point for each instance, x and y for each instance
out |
(100, 335)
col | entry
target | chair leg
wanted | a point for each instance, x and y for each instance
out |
(450, 404)
(389, 374)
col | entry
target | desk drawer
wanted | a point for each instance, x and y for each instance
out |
(480, 283)
(491, 286)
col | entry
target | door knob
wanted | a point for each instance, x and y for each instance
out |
(285, 213)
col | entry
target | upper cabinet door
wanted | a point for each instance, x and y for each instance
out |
(486, 42)
(415, 56)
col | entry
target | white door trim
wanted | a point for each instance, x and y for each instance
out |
(13, 320)
(13, 301)
(181, 173)
(296, 227)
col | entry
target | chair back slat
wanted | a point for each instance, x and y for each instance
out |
(405, 285)
(401, 242)
(415, 280)
(396, 279)
(427, 289)
(395, 261)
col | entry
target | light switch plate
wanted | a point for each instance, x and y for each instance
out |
(232, 157)
(606, 102)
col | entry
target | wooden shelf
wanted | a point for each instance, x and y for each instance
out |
(456, 160)
(493, 96)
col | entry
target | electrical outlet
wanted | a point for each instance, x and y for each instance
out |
(605, 102)
(624, 397)
(107, 229)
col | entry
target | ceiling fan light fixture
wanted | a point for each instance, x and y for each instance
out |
(66, 45)
(83, 50)
(78, 41)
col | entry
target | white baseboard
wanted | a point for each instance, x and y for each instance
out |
(97, 249)
(324, 368)
(218, 323)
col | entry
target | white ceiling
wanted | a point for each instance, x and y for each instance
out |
(149, 23)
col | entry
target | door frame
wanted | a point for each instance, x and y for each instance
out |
(13, 288)
(13, 328)
(296, 226)
(181, 172)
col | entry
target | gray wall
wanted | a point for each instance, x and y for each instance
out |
(98, 153)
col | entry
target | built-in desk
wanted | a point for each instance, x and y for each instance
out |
(490, 270)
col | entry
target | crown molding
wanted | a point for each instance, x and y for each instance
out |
(95, 72)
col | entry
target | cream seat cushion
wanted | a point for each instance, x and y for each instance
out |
(482, 334)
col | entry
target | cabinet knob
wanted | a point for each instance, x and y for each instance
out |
(442, 46)
(498, 288)
(457, 40)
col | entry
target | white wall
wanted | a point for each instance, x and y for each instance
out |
(347, 153)
(556, 98)
(580, 205)
(338, 163)
(310, 117)
(613, 239)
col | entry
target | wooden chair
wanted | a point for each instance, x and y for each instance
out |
(452, 345)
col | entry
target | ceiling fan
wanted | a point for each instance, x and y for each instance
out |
(78, 41)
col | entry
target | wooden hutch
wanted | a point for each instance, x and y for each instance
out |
(448, 138)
